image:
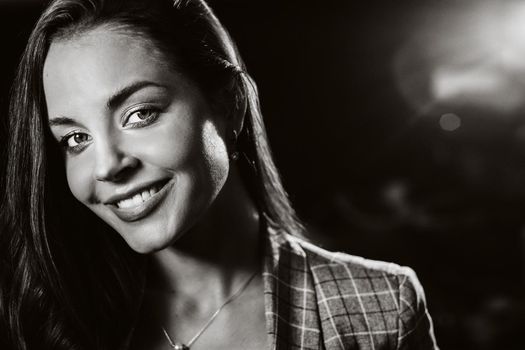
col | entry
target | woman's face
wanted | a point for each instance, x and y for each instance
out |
(143, 148)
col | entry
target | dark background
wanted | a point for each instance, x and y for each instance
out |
(398, 127)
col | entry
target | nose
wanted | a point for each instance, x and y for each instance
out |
(113, 163)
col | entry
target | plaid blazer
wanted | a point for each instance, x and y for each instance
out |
(317, 299)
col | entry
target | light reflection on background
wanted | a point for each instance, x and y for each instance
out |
(470, 53)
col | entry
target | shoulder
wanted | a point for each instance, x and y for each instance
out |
(382, 297)
(342, 265)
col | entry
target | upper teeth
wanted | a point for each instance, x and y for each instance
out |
(138, 199)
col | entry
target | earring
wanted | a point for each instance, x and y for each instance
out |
(234, 155)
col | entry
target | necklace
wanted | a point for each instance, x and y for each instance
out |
(181, 346)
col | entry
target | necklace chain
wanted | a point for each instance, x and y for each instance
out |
(212, 318)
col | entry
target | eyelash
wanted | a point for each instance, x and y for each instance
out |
(153, 111)
(153, 115)
(72, 149)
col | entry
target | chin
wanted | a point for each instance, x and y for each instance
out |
(147, 245)
(148, 240)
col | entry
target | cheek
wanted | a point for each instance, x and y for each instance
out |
(78, 181)
(170, 145)
(204, 178)
(199, 158)
(185, 146)
(215, 153)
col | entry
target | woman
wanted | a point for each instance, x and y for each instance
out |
(142, 112)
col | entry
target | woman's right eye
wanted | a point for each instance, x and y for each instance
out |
(75, 142)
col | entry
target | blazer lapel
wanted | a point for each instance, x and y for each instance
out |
(292, 315)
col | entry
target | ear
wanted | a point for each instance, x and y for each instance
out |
(231, 104)
(238, 113)
(234, 104)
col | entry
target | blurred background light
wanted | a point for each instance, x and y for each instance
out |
(470, 54)
(449, 122)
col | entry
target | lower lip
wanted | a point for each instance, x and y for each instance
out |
(144, 209)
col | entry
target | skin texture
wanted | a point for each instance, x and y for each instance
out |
(183, 141)
(203, 237)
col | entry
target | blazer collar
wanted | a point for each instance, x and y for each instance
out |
(292, 315)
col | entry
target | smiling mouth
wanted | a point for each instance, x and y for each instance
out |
(141, 197)
(142, 203)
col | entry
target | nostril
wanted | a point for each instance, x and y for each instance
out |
(115, 167)
(130, 162)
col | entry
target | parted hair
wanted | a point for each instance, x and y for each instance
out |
(67, 280)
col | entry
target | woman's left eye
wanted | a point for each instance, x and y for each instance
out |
(141, 117)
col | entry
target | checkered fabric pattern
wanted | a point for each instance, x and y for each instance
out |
(321, 300)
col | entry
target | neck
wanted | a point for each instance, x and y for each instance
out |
(212, 259)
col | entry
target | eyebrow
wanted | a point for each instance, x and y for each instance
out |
(61, 121)
(114, 101)
(121, 95)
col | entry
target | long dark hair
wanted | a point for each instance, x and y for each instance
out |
(67, 281)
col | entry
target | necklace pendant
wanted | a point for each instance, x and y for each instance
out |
(180, 346)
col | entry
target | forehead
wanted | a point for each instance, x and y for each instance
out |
(91, 65)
